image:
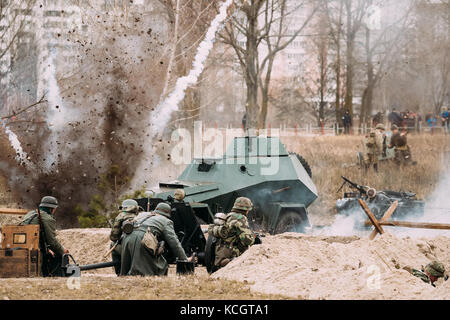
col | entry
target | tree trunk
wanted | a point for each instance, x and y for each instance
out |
(338, 67)
(251, 77)
(348, 102)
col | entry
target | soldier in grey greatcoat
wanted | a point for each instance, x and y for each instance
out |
(136, 259)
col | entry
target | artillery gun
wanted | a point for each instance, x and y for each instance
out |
(378, 202)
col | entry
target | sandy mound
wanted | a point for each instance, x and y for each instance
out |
(87, 245)
(314, 267)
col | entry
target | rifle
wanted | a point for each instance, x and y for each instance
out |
(354, 185)
(44, 246)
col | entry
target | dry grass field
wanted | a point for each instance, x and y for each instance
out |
(328, 157)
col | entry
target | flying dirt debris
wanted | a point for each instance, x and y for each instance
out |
(378, 202)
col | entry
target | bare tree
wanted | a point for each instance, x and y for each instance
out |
(16, 50)
(380, 56)
(257, 35)
(335, 32)
(355, 10)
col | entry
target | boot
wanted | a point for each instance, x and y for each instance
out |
(224, 262)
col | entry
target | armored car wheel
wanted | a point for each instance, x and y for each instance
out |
(290, 222)
(210, 253)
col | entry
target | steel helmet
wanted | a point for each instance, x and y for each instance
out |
(435, 268)
(380, 126)
(129, 205)
(163, 209)
(243, 203)
(49, 202)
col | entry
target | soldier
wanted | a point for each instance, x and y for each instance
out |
(347, 121)
(136, 259)
(430, 274)
(129, 210)
(52, 253)
(179, 195)
(234, 236)
(399, 142)
(372, 148)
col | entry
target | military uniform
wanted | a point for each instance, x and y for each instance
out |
(130, 209)
(136, 259)
(234, 235)
(52, 267)
(402, 152)
(434, 268)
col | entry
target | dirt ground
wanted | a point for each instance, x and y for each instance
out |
(286, 266)
(327, 267)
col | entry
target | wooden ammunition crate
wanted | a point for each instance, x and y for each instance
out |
(19, 253)
(20, 237)
(19, 262)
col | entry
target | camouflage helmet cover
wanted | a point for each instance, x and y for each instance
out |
(243, 203)
(163, 209)
(129, 205)
(49, 202)
(394, 127)
(435, 268)
(179, 194)
(380, 126)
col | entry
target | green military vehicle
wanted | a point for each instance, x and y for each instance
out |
(278, 183)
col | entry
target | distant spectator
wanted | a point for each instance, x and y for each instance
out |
(244, 121)
(378, 118)
(445, 119)
(347, 121)
(431, 121)
(395, 118)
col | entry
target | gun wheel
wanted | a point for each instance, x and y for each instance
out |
(210, 254)
(290, 222)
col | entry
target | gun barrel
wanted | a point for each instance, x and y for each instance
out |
(99, 265)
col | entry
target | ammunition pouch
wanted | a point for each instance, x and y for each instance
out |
(150, 242)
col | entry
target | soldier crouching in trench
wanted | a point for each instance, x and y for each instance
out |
(234, 235)
(136, 258)
(51, 250)
(430, 274)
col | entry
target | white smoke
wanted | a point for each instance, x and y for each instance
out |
(21, 155)
(163, 112)
(343, 225)
(57, 115)
(437, 210)
(161, 115)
